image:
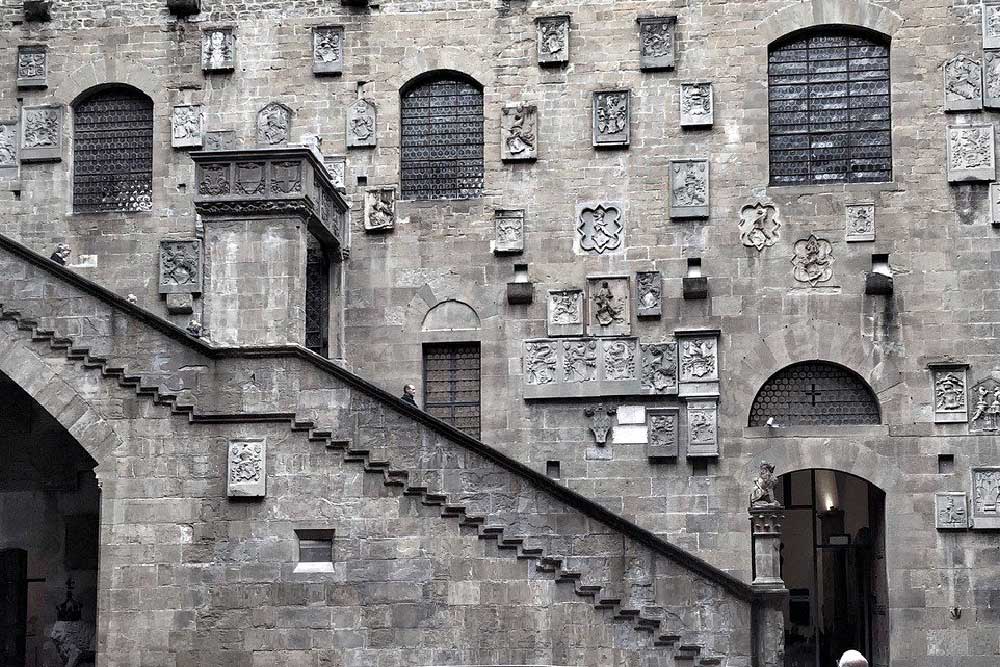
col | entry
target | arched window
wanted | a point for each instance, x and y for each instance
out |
(113, 151)
(829, 109)
(815, 393)
(441, 149)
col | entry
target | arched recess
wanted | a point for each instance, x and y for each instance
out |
(452, 316)
(814, 393)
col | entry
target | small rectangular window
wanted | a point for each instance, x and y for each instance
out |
(552, 469)
(315, 546)
(946, 464)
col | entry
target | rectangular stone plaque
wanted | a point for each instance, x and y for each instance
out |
(690, 183)
(702, 426)
(697, 104)
(995, 204)
(509, 231)
(860, 221)
(380, 209)
(362, 124)
(608, 306)
(328, 49)
(951, 511)
(220, 140)
(984, 404)
(32, 66)
(41, 133)
(963, 84)
(8, 149)
(950, 404)
(986, 498)
(657, 37)
(187, 126)
(659, 367)
(247, 468)
(663, 426)
(612, 114)
(552, 34)
(648, 293)
(218, 50)
(581, 367)
(991, 79)
(336, 169)
(971, 153)
(600, 228)
(180, 266)
(565, 312)
(518, 132)
(699, 363)
(991, 25)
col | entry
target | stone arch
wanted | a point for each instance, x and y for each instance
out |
(815, 13)
(92, 76)
(774, 396)
(452, 316)
(842, 454)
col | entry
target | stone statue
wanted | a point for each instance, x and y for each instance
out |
(852, 659)
(763, 488)
(61, 254)
(74, 638)
(195, 328)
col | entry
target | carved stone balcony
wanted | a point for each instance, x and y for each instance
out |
(271, 182)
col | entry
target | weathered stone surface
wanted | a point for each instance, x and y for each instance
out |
(41, 133)
(32, 66)
(187, 126)
(328, 49)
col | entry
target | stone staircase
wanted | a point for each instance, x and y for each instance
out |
(647, 620)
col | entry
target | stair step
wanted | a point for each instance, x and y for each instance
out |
(453, 510)
(607, 602)
(531, 552)
(490, 532)
(706, 662)
(692, 649)
(568, 575)
(303, 425)
(588, 589)
(645, 623)
(666, 640)
(473, 521)
(414, 490)
(340, 445)
(433, 499)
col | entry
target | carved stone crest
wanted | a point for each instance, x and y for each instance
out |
(218, 50)
(8, 146)
(986, 498)
(247, 468)
(699, 360)
(971, 153)
(600, 228)
(336, 169)
(984, 401)
(600, 422)
(950, 404)
(659, 367)
(274, 124)
(518, 132)
(991, 78)
(663, 427)
(361, 124)
(951, 511)
(656, 42)
(32, 66)
(187, 126)
(860, 221)
(509, 229)
(180, 266)
(565, 312)
(328, 49)
(220, 140)
(380, 209)
(963, 84)
(995, 204)
(580, 361)
(697, 104)
(620, 359)
(611, 118)
(759, 225)
(540, 361)
(813, 261)
(608, 306)
(553, 39)
(991, 24)
(286, 177)
(213, 179)
(703, 436)
(649, 293)
(689, 188)
(762, 494)
(250, 178)
(41, 133)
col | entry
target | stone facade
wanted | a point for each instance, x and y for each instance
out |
(209, 572)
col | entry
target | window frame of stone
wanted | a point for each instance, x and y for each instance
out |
(413, 188)
(856, 133)
(311, 543)
(146, 133)
(451, 351)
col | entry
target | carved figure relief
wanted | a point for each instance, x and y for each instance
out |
(697, 105)
(986, 498)
(214, 179)
(336, 169)
(608, 302)
(220, 140)
(180, 266)
(509, 229)
(949, 394)
(656, 42)
(380, 209)
(619, 359)
(247, 466)
(659, 368)
(600, 228)
(763, 487)
(662, 426)
(565, 312)
(759, 225)
(41, 127)
(703, 439)
(611, 118)
(540, 362)
(580, 361)
(187, 126)
(600, 422)
(553, 39)
(274, 124)
(991, 25)
(699, 360)
(963, 84)
(606, 311)
(991, 78)
(649, 290)
(8, 145)
(689, 189)
(518, 132)
(328, 49)
(218, 50)
(32, 66)
(813, 261)
(971, 154)
(361, 124)
(860, 222)
(984, 401)
(951, 511)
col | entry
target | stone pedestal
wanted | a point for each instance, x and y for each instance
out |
(766, 524)
(259, 208)
(769, 593)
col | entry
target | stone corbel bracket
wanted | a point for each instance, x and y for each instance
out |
(272, 182)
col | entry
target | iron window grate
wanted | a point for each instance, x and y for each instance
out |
(452, 384)
(317, 297)
(815, 393)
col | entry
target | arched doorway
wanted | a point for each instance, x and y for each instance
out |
(49, 503)
(833, 564)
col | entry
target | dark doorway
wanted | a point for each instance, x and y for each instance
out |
(832, 561)
(49, 503)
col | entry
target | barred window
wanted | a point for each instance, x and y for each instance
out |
(113, 151)
(441, 154)
(317, 296)
(451, 384)
(829, 109)
(815, 393)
